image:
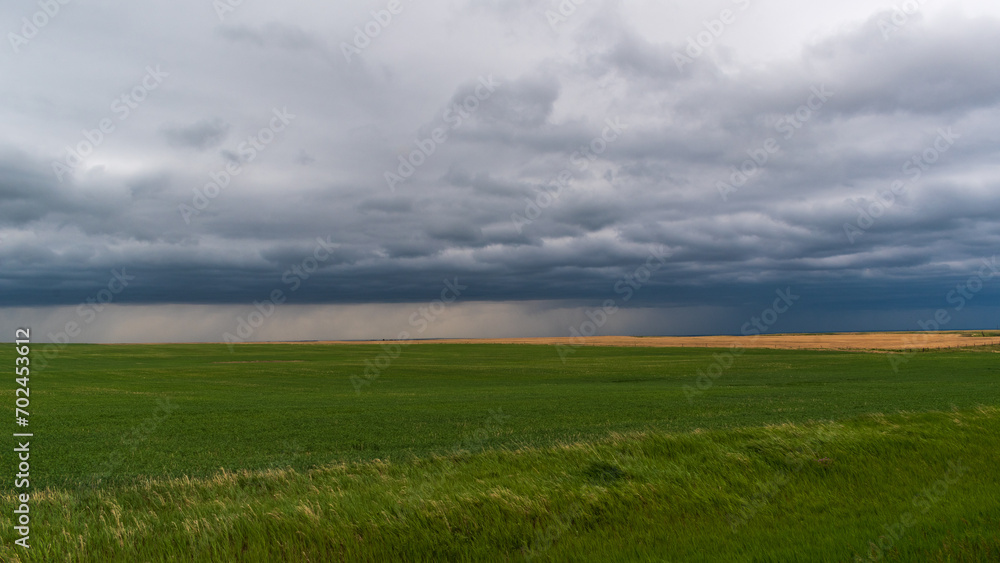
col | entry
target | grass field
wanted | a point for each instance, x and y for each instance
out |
(505, 453)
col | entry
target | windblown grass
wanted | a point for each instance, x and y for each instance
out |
(790, 456)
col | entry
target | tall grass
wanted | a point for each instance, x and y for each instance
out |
(792, 492)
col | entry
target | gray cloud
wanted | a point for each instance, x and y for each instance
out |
(207, 133)
(484, 202)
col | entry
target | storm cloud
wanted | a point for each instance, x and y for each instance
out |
(353, 158)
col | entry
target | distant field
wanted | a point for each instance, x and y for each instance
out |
(833, 341)
(505, 452)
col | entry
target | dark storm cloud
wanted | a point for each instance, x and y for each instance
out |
(591, 148)
(25, 190)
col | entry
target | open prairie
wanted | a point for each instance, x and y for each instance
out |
(330, 281)
(505, 452)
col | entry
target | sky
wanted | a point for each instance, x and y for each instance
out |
(239, 169)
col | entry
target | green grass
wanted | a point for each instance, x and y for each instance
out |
(502, 452)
